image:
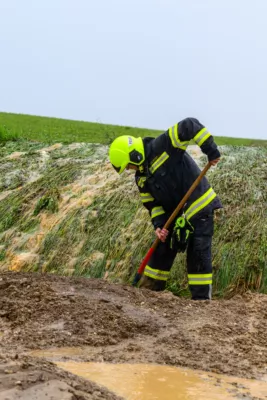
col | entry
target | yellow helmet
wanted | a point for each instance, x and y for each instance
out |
(126, 150)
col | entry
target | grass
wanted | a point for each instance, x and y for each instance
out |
(112, 233)
(51, 130)
(48, 202)
(15, 209)
(7, 133)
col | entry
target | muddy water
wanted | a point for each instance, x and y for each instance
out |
(157, 382)
(147, 382)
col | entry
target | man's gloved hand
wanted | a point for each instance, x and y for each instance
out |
(180, 235)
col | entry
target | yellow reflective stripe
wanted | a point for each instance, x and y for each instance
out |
(200, 203)
(146, 197)
(156, 273)
(164, 157)
(174, 136)
(156, 211)
(200, 279)
(202, 136)
(199, 275)
(141, 182)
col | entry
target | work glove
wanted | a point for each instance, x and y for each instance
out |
(180, 235)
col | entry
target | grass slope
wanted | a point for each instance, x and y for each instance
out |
(51, 130)
(64, 210)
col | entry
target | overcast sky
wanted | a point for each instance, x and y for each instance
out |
(146, 63)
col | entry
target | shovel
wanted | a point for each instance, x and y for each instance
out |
(168, 223)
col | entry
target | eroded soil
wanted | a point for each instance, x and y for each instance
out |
(120, 324)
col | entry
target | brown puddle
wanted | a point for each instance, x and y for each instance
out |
(158, 382)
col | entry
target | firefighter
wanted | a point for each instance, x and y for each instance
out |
(164, 172)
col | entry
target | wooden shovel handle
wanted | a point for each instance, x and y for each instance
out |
(182, 202)
(168, 223)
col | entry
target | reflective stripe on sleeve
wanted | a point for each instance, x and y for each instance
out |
(202, 136)
(146, 197)
(174, 136)
(200, 203)
(156, 211)
(200, 279)
(156, 273)
(164, 157)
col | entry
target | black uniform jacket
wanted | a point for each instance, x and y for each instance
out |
(169, 171)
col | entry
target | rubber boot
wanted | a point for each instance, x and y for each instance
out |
(201, 292)
(152, 284)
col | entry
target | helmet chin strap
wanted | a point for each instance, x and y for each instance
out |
(141, 168)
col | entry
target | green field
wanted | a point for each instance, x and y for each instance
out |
(51, 130)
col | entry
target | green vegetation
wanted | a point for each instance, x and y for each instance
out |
(6, 134)
(48, 202)
(51, 130)
(16, 208)
(67, 207)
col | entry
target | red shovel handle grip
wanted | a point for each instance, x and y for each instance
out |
(145, 260)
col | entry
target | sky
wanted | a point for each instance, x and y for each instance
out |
(143, 63)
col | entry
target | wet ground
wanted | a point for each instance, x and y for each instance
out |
(161, 382)
(119, 324)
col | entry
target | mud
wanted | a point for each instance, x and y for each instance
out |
(120, 324)
(23, 378)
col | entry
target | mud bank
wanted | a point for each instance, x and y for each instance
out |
(24, 378)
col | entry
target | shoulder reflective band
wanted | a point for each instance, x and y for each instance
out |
(176, 142)
(156, 273)
(146, 197)
(202, 136)
(200, 279)
(156, 211)
(200, 203)
(164, 157)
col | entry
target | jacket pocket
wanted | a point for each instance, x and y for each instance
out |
(204, 226)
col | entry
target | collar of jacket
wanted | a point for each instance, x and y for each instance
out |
(147, 147)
